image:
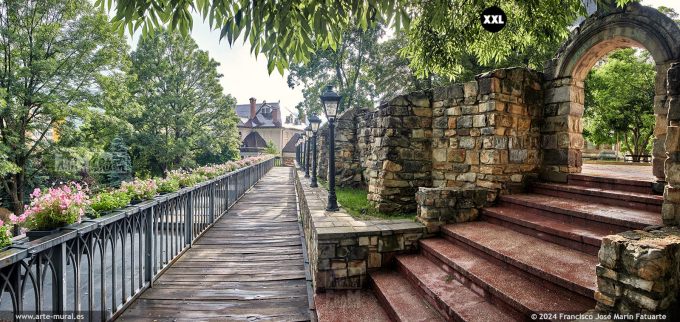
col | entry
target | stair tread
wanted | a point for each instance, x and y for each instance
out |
(590, 234)
(403, 298)
(612, 180)
(591, 210)
(600, 192)
(551, 261)
(528, 295)
(464, 302)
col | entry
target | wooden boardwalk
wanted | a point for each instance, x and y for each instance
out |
(248, 266)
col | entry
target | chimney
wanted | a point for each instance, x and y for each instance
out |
(253, 107)
(276, 115)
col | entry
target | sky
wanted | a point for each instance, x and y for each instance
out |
(246, 76)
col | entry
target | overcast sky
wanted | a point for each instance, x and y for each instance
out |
(245, 76)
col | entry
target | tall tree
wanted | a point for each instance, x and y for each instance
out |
(51, 53)
(293, 31)
(620, 99)
(347, 68)
(185, 112)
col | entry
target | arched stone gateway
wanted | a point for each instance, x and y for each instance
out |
(604, 31)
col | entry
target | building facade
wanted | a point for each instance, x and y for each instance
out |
(265, 123)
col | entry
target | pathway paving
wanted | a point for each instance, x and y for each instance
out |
(248, 266)
(641, 172)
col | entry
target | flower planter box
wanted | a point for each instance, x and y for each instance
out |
(35, 234)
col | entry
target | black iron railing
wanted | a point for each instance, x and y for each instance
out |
(96, 268)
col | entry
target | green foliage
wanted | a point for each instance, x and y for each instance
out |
(120, 162)
(5, 235)
(619, 101)
(185, 112)
(271, 148)
(347, 68)
(52, 53)
(441, 34)
(168, 185)
(108, 201)
(139, 189)
(355, 202)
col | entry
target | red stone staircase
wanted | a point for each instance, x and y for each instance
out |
(530, 253)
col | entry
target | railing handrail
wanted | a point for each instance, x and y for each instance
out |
(18, 252)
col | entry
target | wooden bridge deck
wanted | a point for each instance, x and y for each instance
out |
(248, 266)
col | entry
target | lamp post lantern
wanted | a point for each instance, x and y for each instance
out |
(314, 121)
(307, 151)
(331, 101)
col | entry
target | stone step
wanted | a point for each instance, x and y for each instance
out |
(584, 237)
(518, 293)
(453, 300)
(400, 299)
(611, 183)
(563, 266)
(626, 199)
(583, 211)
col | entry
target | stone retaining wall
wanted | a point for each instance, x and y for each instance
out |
(343, 250)
(438, 206)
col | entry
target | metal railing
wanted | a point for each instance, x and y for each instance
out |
(96, 268)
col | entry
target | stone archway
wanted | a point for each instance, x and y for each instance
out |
(604, 31)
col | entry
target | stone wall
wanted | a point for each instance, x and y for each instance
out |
(638, 273)
(671, 206)
(343, 250)
(399, 162)
(486, 132)
(349, 169)
(438, 206)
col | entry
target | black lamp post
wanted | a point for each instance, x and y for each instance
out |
(314, 121)
(301, 161)
(307, 147)
(330, 101)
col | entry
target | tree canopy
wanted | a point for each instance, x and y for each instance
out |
(185, 113)
(291, 32)
(620, 99)
(52, 54)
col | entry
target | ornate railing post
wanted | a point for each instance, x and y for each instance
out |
(188, 219)
(149, 261)
(211, 213)
(59, 284)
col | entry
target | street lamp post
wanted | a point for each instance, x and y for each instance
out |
(307, 153)
(302, 151)
(330, 101)
(314, 122)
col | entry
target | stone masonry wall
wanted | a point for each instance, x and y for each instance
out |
(486, 132)
(438, 206)
(639, 273)
(349, 170)
(671, 206)
(400, 160)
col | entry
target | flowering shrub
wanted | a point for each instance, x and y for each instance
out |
(107, 201)
(167, 185)
(139, 189)
(55, 207)
(5, 234)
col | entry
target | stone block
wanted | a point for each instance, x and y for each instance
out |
(467, 142)
(470, 89)
(456, 155)
(464, 122)
(479, 120)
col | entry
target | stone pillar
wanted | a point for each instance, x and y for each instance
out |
(660, 126)
(562, 140)
(671, 206)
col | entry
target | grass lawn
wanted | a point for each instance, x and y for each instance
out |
(355, 202)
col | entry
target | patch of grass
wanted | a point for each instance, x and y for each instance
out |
(355, 202)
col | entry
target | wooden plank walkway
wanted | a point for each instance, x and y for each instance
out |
(248, 266)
